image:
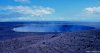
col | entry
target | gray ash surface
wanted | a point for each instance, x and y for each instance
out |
(67, 42)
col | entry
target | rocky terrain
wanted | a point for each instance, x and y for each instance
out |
(69, 42)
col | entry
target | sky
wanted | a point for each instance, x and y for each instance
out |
(50, 10)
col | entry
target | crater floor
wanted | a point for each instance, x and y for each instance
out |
(67, 42)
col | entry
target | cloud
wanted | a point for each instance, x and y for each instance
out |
(90, 14)
(93, 10)
(28, 10)
(24, 13)
(22, 0)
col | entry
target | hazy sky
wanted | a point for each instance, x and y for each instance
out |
(50, 10)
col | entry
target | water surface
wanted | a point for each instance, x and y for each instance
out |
(51, 28)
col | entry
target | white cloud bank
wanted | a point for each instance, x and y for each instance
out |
(89, 14)
(93, 10)
(27, 10)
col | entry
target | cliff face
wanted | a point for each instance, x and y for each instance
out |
(69, 42)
